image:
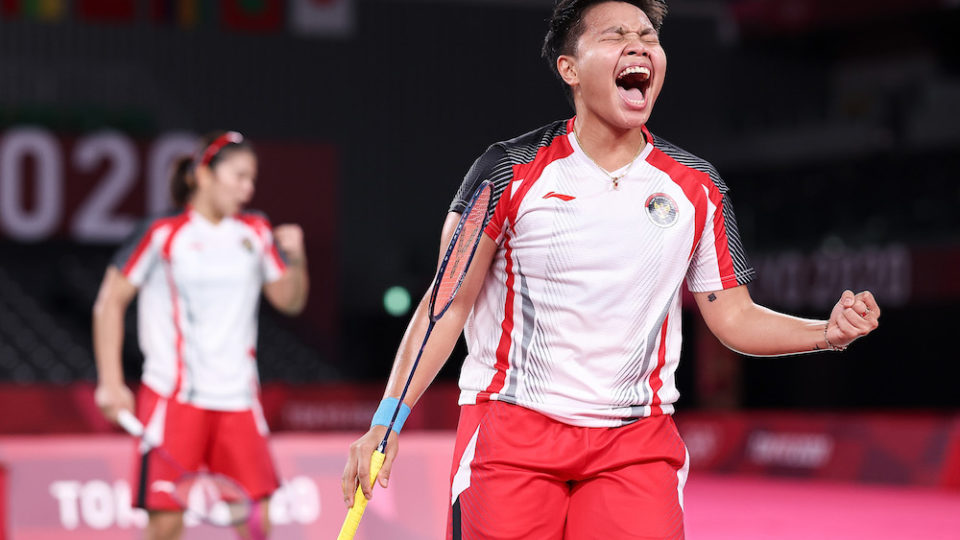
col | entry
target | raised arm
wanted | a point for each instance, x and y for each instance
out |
(752, 329)
(435, 354)
(114, 296)
(289, 293)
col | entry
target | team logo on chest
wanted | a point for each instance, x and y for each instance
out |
(662, 210)
(247, 244)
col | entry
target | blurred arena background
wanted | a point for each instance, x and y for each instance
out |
(836, 124)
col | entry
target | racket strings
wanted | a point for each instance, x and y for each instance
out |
(213, 498)
(456, 265)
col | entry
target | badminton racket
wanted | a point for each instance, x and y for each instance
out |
(453, 268)
(211, 497)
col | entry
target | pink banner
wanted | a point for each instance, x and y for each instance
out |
(79, 487)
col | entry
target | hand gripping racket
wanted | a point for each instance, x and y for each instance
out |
(450, 274)
(213, 498)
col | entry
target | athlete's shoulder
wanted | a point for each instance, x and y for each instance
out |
(143, 235)
(253, 217)
(689, 160)
(151, 223)
(524, 147)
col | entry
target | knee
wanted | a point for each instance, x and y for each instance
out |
(165, 526)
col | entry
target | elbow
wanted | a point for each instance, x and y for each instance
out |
(101, 308)
(293, 306)
(292, 310)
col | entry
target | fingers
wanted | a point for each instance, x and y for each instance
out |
(858, 323)
(288, 234)
(363, 475)
(357, 470)
(289, 239)
(392, 447)
(866, 297)
(112, 398)
(349, 482)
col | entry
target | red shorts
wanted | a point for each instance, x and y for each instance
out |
(518, 474)
(232, 443)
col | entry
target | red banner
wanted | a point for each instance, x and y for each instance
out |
(905, 448)
(54, 408)
(918, 449)
(252, 15)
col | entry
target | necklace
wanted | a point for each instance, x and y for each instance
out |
(613, 177)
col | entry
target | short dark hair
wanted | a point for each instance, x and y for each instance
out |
(566, 26)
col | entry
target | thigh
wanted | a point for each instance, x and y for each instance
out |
(637, 502)
(500, 487)
(635, 487)
(181, 430)
(240, 449)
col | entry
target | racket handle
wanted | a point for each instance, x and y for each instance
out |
(352, 520)
(129, 422)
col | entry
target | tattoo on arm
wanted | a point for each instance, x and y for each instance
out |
(712, 297)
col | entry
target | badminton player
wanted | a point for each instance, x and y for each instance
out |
(198, 274)
(571, 310)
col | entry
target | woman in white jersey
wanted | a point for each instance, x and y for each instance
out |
(571, 309)
(198, 273)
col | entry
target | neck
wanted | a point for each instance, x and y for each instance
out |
(610, 146)
(206, 210)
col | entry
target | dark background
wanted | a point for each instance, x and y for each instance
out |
(836, 126)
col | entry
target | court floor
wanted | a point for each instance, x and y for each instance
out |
(752, 508)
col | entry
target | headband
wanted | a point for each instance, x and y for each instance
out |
(230, 137)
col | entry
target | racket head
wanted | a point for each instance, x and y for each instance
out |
(213, 498)
(460, 251)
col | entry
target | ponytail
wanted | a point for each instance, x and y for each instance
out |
(183, 183)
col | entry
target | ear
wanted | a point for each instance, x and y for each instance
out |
(202, 175)
(567, 68)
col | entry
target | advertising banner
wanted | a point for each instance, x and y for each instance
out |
(79, 487)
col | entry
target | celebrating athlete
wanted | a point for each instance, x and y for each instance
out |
(571, 310)
(198, 274)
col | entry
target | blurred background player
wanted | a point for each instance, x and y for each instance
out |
(198, 274)
(572, 307)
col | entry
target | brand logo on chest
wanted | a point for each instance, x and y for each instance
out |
(662, 210)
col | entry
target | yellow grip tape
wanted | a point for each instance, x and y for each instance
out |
(352, 520)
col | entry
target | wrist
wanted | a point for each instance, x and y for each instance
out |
(831, 346)
(109, 381)
(385, 412)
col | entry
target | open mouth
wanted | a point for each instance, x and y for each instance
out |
(632, 84)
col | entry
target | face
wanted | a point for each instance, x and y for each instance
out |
(229, 185)
(618, 68)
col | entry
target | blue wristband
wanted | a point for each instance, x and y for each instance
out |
(385, 413)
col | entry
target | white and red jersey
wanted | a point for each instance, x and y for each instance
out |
(579, 314)
(199, 295)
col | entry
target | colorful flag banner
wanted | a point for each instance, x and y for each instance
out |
(252, 15)
(117, 11)
(38, 10)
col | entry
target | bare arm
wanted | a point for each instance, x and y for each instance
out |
(751, 329)
(289, 293)
(438, 348)
(114, 296)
